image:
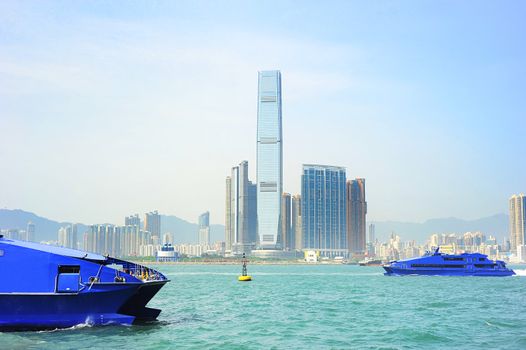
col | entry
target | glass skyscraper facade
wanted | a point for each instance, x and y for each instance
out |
(324, 209)
(356, 212)
(286, 233)
(269, 160)
(517, 221)
(241, 213)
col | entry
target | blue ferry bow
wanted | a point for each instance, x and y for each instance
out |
(47, 287)
(436, 263)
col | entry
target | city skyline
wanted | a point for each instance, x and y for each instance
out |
(127, 87)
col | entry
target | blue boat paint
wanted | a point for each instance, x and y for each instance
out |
(46, 287)
(435, 264)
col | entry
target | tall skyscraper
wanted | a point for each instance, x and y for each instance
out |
(229, 233)
(356, 211)
(323, 209)
(204, 229)
(372, 234)
(295, 223)
(252, 213)
(286, 232)
(240, 221)
(30, 231)
(152, 223)
(517, 221)
(269, 159)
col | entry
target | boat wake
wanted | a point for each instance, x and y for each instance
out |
(520, 273)
(74, 328)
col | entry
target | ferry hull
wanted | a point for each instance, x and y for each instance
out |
(393, 271)
(104, 304)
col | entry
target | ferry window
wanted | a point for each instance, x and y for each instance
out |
(439, 266)
(481, 259)
(69, 269)
(1, 252)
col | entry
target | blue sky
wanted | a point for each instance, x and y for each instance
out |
(110, 108)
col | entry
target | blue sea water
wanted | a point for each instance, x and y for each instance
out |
(311, 306)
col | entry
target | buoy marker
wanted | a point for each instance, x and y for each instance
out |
(244, 277)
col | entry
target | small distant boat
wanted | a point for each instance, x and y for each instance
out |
(47, 287)
(370, 262)
(244, 277)
(436, 263)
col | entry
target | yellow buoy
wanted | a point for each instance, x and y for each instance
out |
(244, 277)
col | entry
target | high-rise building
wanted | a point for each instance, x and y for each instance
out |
(229, 233)
(204, 229)
(286, 232)
(74, 236)
(356, 211)
(372, 234)
(240, 220)
(517, 205)
(269, 159)
(152, 223)
(30, 232)
(252, 213)
(13, 233)
(67, 236)
(323, 209)
(132, 220)
(62, 238)
(295, 223)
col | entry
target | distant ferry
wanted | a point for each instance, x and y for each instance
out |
(47, 287)
(370, 262)
(437, 263)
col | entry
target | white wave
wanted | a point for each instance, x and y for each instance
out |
(521, 273)
(75, 327)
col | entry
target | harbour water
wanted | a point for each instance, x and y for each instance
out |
(311, 306)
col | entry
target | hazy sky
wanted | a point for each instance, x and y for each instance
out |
(111, 108)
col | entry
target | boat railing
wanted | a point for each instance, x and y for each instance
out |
(138, 271)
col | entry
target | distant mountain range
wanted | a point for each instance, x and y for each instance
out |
(47, 230)
(186, 232)
(495, 225)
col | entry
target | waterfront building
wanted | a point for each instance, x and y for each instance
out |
(152, 223)
(286, 231)
(13, 233)
(23, 235)
(311, 256)
(372, 235)
(521, 253)
(240, 223)
(109, 239)
(269, 159)
(229, 232)
(67, 236)
(517, 207)
(252, 213)
(204, 228)
(132, 220)
(356, 212)
(371, 240)
(295, 223)
(30, 232)
(324, 209)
